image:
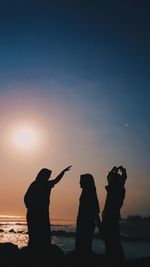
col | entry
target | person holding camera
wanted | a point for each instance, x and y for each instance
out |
(111, 215)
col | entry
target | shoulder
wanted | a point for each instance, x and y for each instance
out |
(51, 183)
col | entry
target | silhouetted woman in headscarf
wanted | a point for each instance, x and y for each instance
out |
(88, 215)
(111, 215)
(37, 200)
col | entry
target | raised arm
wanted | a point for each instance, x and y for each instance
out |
(59, 177)
(111, 173)
(123, 175)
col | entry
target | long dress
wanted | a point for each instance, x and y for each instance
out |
(88, 210)
(110, 220)
(37, 200)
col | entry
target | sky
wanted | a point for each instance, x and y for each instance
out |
(75, 76)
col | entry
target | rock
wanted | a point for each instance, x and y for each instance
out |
(42, 257)
(12, 231)
(8, 254)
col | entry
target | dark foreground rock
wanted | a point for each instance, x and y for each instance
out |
(11, 256)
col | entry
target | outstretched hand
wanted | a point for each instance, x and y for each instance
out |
(67, 169)
(59, 177)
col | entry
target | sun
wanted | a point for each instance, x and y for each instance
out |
(25, 137)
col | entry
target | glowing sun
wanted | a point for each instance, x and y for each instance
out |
(25, 137)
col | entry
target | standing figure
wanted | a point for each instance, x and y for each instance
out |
(37, 200)
(111, 215)
(88, 215)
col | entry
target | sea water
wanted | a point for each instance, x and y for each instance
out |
(14, 230)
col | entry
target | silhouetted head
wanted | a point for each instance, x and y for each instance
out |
(89, 191)
(87, 181)
(43, 175)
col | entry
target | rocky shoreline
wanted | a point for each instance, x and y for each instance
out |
(11, 255)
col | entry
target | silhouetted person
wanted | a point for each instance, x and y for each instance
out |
(111, 215)
(37, 200)
(88, 215)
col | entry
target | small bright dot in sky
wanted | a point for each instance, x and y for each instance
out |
(126, 124)
(25, 137)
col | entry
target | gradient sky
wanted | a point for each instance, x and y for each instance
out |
(78, 74)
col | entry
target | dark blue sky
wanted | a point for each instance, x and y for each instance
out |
(86, 41)
(92, 56)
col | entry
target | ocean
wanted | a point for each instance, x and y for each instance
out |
(135, 245)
